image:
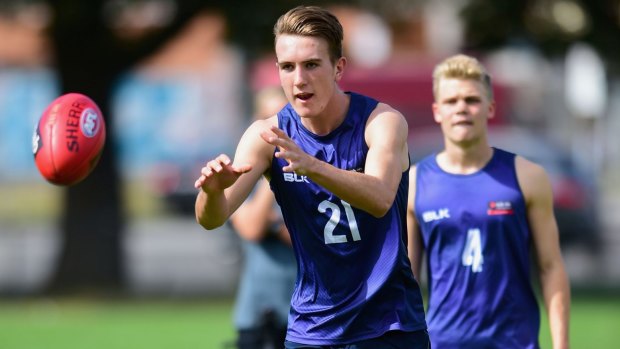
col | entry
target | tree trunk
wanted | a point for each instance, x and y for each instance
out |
(89, 58)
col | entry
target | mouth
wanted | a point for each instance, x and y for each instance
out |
(304, 96)
(463, 123)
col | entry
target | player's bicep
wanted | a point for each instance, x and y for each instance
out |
(386, 136)
(536, 188)
(253, 151)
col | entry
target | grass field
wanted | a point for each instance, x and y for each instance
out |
(71, 324)
(95, 324)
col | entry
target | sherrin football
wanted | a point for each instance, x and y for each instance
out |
(68, 139)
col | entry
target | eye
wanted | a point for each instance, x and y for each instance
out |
(472, 100)
(286, 66)
(311, 65)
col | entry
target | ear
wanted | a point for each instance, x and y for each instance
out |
(436, 115)
(491, 110)
(340, 64)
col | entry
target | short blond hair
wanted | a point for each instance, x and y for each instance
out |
(312, 21)
(462, 67)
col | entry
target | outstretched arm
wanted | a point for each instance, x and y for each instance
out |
(554, 281)
(373, 190)
(223, 185)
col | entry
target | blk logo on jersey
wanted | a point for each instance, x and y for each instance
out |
(436, 215)
(498, 208)
(293, 177)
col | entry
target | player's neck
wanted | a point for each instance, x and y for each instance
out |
(331, 117)
(465, 160)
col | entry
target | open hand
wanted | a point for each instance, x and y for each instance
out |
(298, 160)
(219, 174)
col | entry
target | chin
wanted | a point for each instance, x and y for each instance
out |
(463, 138)
(304, 111)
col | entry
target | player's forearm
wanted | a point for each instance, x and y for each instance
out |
(556, 291)
(363, 191)
(211, 209)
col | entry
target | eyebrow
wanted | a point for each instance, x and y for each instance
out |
(311, 60)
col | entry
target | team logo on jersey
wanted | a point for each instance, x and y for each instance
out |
(435, 215)
(293, 177)
(498, 208)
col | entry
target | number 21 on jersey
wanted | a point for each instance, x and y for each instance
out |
(472, 252)
(334, 219)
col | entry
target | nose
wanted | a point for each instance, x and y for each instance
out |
(461, 106)
(300, 77)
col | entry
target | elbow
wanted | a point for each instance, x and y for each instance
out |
(207, 222)
(204, 218)
(208, 225)
(382, 203)
(381, 209)
(378, 213)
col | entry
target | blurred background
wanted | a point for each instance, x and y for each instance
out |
(119, 261)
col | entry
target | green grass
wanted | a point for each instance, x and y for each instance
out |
(42, 324)
(96, 324)
(595, 323)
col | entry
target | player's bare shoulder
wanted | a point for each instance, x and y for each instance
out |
(254, 131)
(387, 131)
(262, 125)
(532, 178)
(252, 149)
(386, 111)
(385, 120)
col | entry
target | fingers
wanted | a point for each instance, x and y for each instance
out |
(219, 162)
(215, 165)
(276, 137)
(280, 133)
(287, 149)
(269, 137)
(199, 182)
(219, 165)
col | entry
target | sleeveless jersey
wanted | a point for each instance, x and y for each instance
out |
(354, 279)
(476, 234)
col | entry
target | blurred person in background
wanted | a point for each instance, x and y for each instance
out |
(338, 166)
(476, 210)
(269, 269)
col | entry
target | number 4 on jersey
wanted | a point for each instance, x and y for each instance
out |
(472, 253)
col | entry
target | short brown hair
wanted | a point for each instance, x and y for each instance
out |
(312, 21)
(462, 67)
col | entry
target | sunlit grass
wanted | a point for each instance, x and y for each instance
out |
(70, 324)
(595, 323)
(150, 324)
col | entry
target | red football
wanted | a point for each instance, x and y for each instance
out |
(68, 139)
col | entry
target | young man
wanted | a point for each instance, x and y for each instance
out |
(476, 210)
(338, 166)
